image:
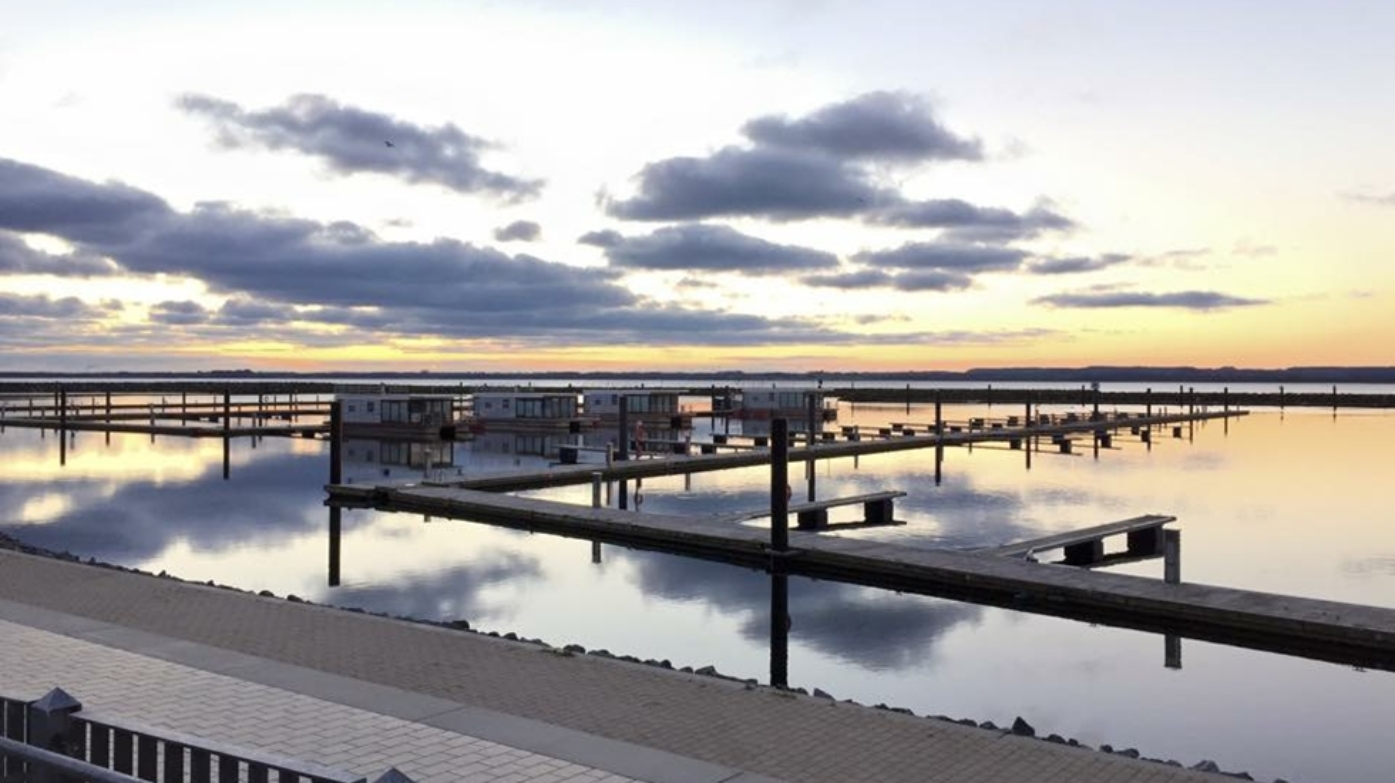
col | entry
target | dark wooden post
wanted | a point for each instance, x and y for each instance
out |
(908, 399)
(1172, 556)
(809, 463)
(622, 450)
(1281, 398)
(227, 412)
(1334, 400)
(1225, 399)
(1148, 402)
(183, 408)
(779, 485)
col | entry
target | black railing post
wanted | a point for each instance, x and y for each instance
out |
(622, 451)
(336, 442)
(51, 728)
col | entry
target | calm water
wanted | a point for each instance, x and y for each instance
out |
(1296, 503)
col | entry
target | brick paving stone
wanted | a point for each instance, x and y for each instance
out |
(166, 695)
(689, 715)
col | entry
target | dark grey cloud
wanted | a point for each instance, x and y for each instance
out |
(519, 231)
(1073, 264)
(39, 201)
(944, 256)
(971, 223)
(603, 238)
(1185, 300)
(822, 165)
(875, 126)
(932, 280)
(18, 258)
(350, 140)
(779, 184)
(862, 278)
(184, 313)
(699, 246)
(44, 307)
(244, 312)
(343, 273)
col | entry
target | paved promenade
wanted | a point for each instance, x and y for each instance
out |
(443, 705)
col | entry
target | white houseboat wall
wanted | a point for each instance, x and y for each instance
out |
(383, 413)
(518, 410)
(788, 403)
(651, 405)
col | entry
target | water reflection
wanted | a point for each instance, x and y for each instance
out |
(1248, 504)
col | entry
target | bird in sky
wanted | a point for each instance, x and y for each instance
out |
(390, 144)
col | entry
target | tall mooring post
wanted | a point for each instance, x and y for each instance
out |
(1225, 399)
(779, 485)
(779, 544)
(809, 471)
(622, 449)
(336, 442)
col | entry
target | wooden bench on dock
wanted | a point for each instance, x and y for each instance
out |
(876, 510)
(1085, 547)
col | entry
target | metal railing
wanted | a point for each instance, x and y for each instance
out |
(54, 740)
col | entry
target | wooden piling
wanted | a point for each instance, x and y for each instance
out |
(622, 449)
(335, 535)
(1172, 556)
(779, 485)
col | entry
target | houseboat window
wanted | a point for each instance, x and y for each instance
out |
(353, 408)
(368, 407)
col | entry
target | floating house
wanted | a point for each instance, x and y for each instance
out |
(775, 403)
(518, 410)
(651, 405)
(383, 413)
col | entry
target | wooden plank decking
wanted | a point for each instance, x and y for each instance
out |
(1069, 537)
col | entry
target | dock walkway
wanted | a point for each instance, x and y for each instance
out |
(1316, 628)
(580, 710)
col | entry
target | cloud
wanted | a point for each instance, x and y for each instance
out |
(342, 274)
(945, 257)
(183, 313)
(779, 184)
(603, 238)
(875, 126)
(932, 280)
(817, 166)
(862, 278)
(244, 312)
(1186, 300)
(1071, 265)
(39, 201)
(18, 258)
(518, 231)
(41, 306)
(698, 246)
(970, 223)
(350, 140)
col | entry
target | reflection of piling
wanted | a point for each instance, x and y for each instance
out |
(779, 485)
(1172, 651)
(779, 625)
(596, 482)
(183, 408)
(335, 522)
(62, 426)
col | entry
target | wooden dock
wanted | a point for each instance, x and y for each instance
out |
(1326, 630)
(679, 464)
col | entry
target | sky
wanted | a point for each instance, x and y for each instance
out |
(761, 185)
